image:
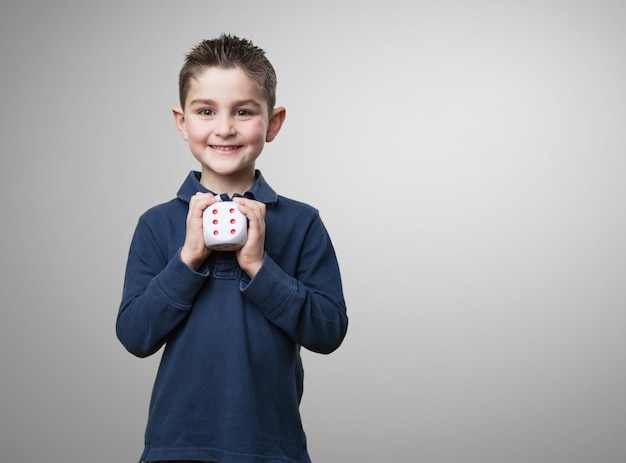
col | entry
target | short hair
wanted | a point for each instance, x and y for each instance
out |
(227, 52)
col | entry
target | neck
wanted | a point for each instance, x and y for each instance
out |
(228, 184)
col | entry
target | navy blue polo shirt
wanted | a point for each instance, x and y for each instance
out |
(230, 380)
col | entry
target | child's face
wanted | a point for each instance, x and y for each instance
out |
(226, 123)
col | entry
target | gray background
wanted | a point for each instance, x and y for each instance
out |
(467, 157)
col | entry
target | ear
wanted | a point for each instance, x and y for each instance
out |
(179, 120)
(275, 123)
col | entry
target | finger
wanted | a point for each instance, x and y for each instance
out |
(254, 210)
(199, 202)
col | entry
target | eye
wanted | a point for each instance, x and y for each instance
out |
(206, 112)
(243, 113)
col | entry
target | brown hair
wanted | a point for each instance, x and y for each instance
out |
(228, 51)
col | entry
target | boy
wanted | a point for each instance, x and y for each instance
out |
(230, 380)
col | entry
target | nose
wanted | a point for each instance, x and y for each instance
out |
(225, 126)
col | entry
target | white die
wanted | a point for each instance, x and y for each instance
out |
(225, 227)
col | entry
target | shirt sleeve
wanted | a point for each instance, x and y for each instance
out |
(309, 306)
(158, 294)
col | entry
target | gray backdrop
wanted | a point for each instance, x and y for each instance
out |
(467, 157)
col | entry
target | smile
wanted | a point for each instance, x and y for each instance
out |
(225, 147)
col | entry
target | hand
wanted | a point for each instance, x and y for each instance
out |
(250, 256)
(194, 251)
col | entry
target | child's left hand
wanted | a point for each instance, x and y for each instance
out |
(250, 256)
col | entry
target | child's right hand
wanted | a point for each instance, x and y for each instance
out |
(194, 251)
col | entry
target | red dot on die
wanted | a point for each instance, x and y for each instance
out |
(215, 221)
(232, 221)
(214, 211)
(233, 231)
(232, 210)
(216, 233)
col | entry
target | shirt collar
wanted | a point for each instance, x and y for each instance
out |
(260, 190)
